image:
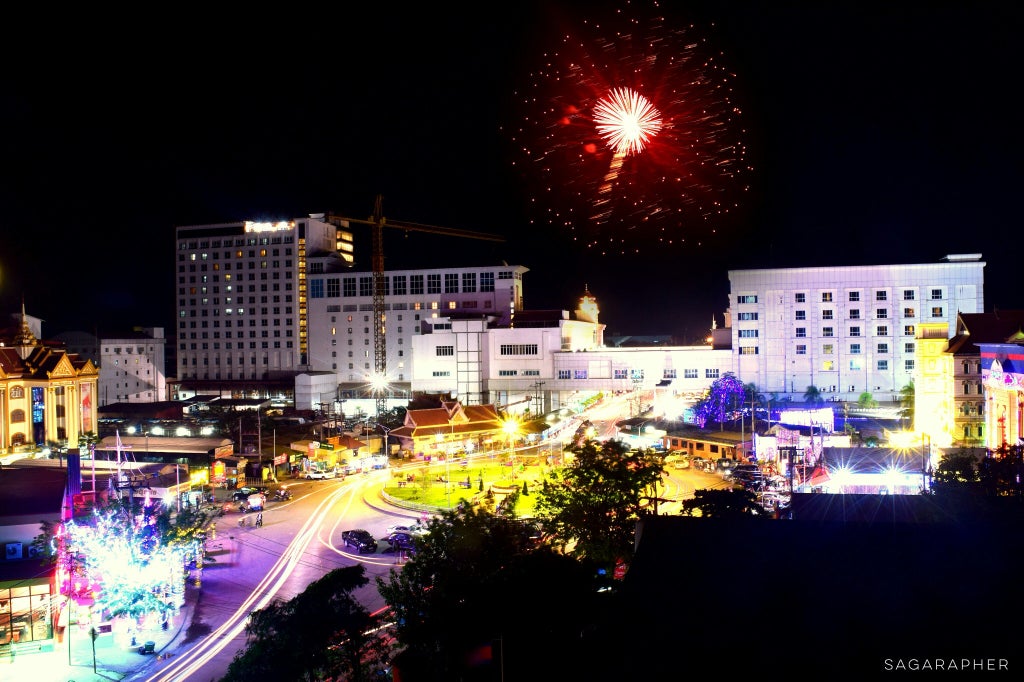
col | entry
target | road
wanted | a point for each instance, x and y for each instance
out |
(299, 542)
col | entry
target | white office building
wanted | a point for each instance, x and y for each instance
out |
(845, 330)
(340, 320)
(544, 360)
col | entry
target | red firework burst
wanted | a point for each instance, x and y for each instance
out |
(631, 136)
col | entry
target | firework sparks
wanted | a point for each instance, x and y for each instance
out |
(626, 120)
(630, 132)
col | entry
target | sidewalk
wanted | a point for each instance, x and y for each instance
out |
(115, 658)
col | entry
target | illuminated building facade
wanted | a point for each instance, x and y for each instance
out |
(47, 395)
(242, 299)
(845, 330)
(1002, 371)
(968, 387)
(933, 384)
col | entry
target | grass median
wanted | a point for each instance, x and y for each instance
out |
(444, 485)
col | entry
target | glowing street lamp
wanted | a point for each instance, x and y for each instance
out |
(379, 387)
(438, 439)
(511, 429)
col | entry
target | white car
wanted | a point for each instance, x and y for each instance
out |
(313, 475)
(415, 528)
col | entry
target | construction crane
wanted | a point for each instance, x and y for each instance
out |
(378, 223)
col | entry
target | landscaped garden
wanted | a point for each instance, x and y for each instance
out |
(445, 484)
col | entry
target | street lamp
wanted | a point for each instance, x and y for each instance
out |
(511, 428)
(439, 438)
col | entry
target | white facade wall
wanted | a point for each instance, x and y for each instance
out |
(341, 316)
(131, 370)
(845, 330)
(554, 364)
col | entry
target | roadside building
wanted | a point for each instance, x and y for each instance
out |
(47, 395)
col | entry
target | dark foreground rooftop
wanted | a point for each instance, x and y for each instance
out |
(820, 596)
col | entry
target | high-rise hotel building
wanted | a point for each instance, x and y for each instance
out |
(242, 298)
(844, 330)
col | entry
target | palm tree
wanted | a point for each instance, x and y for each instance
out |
(812, 396)
(907, 395)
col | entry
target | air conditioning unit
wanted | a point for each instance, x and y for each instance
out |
(13, 550)
(34, 552)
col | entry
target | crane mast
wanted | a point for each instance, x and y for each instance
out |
(377, 223)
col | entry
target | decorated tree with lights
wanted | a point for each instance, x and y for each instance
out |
(126, 557)
(725, 394)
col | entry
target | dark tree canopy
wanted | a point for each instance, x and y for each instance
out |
(318, 634)
(478, 584)
(591, 506)
(723, 503)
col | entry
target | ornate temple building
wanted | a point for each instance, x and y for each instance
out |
(47, 395)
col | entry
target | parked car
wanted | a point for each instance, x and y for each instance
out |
(742, 469)
(360, 539)
(415, 528)
(752, 480)
(723, 464)
(314, 475)
(402, 541)
(681, 463)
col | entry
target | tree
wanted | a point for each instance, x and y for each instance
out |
(477, 579)
(866, 400)
(393, 418)
(812, 396)
(752, 396)
(134, 562)
(591, 507)
(907, 397)
(320, 633)
(957, 468)
(987, 487)
(720, 400)
(723, 503)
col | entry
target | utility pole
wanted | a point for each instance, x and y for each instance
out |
(537, 397)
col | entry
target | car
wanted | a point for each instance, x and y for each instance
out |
(242, 494)
(743, 469)
(724, 464)
(681, 463)
(752, 480)
(360, 539)
(771, 500)
(403, 541)
(314, 475)
(415, 528)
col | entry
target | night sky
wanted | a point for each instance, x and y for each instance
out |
(877, 132)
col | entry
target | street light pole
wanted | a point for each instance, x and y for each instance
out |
(448, 462)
